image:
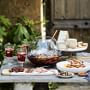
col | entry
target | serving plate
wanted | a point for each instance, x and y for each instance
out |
(76, 49)
(62, 67)
(49, 72)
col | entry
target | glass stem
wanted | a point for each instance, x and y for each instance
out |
(21, 64)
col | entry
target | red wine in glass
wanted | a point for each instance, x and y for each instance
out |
(9, 52)
(21, 57)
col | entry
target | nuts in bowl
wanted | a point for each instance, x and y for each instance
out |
(65, 74)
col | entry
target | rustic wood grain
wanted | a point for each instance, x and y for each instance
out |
(84, 9)
(88, 6)
(59, 9)
(70, 9)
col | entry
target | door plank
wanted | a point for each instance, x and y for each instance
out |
(59, 9)
(70, 9)
(84, 9)
(88, 7)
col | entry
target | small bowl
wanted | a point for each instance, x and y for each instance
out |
(82, 74)
(69, 75)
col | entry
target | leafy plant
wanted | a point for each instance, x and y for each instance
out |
(53, 86)
(30, 26)
(4, 22)
(3, 33)
(1, 57)
(23, 30)
(20, 33)
(4, 25)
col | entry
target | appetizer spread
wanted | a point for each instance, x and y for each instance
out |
(74, 63)
(16, 69)
(29, 71)
(81, 44)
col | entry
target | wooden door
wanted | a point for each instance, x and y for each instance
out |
(70, 9)
(72, 15)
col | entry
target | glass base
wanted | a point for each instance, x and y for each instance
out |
(9, 58)
(21, 64)
(8, 61)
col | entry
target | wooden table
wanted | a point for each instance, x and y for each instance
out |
(25, 82)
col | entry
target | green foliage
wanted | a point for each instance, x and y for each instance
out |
(30, 25)
(4, 25)
(24, 29)
(20, 33)
(3, 33)
(5, 22)
(53, 86)
(1, 56)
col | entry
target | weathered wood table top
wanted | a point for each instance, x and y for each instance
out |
(42, 78)
(12, 79)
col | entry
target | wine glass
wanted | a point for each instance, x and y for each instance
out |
(9, 50)
(21, 55)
